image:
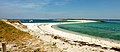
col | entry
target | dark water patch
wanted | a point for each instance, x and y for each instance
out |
(40, 20)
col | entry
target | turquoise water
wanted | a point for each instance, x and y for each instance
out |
(108, 30)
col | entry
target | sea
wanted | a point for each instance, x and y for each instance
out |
(40, 20)
(109, 29)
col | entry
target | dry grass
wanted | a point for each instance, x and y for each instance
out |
(14, 21)
(22, 41)
(9, 33)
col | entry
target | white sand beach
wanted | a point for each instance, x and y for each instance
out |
(47, 38)
(45, 31)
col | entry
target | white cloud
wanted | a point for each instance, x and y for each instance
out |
(18, 6)
(62, 2)
(30, 4)
(24, 4)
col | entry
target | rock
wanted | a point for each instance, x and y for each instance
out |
(55, 37)
(115, 48)
(104, 48)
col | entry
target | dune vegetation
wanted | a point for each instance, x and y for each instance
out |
(20, 41)
(9, 33)
(14, 21)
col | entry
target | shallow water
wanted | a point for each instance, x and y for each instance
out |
(108, 30)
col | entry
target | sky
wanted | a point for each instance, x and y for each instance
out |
(42, 9)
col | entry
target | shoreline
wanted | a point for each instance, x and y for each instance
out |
(76, 33)
(49, 29)
(46, 28)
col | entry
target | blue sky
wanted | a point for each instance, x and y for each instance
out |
(60, 9)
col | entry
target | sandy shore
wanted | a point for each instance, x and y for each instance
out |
(31, 43)
(70, 42)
